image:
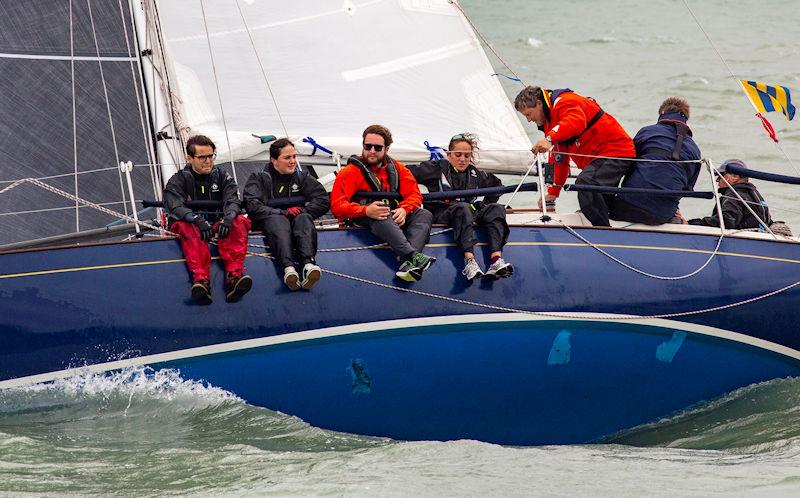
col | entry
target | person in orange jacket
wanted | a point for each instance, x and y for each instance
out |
(403, 224)
(573, 124)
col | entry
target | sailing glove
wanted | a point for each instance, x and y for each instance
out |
(224, 228)
(206, 231)
(293, 211)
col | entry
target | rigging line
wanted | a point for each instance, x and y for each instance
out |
(138, 90)
(485, 41)
(64, 174)
(90, 204)
(757, 217)
(108, 101)
(263, 71)
(165, 77)
(74, 115)
(49, 210)
(552, 314)
(642, 272)
(219, 94)
(733, 76)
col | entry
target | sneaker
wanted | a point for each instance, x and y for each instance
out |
(472, 270)
(500, 269)
(422, 261)
(291, 278)
(237, 286)
(408, 272)
(311, 274)
(201, 292)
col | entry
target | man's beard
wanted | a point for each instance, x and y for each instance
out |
(373, 161)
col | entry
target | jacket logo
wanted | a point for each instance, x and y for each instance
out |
(214, 187)
(473, 173)
(295, 188)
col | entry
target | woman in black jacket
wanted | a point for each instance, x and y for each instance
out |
(290, 231)
(458, 172)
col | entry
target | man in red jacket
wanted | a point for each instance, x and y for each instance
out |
(573, 124)
(403, 224)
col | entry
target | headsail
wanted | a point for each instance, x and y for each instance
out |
(328, 68)
(71, 105)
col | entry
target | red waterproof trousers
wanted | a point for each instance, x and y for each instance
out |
(232, 249)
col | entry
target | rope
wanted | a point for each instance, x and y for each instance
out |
(315, 146)
(108, 104)
(77, 199)
(642, 272)
(263, 71)
(485, 41)
(434, 151)
(574, 316)
(219, 95)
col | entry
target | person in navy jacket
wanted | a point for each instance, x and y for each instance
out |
(668, 143)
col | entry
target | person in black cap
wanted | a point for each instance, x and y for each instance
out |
(734, 213)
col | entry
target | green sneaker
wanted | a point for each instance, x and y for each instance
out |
(422, 261)
(408, 272)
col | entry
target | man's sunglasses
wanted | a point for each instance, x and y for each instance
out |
(377, 147)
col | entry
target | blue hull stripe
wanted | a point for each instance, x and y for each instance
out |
(487, 318)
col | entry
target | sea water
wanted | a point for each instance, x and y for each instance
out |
(141, 432)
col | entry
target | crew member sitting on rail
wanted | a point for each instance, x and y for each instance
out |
(669, 142)
(290, 230)
(576, 127)
(405, 225)
(734, 212)
(200, 180)
(458, 172)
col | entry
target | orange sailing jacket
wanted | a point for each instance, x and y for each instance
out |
(351, 180)
(570, 114)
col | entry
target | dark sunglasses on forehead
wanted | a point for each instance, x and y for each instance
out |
(377, 147)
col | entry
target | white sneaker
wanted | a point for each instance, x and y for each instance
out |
(500, 269)
(291, 278)
(311, 274)
(472, 270)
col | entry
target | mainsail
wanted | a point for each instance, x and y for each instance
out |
(326, 69)
(72, 108)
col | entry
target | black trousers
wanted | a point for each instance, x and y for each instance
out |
(623, 211)
(460, 217)
(405, 240)
(291, 240)
(605, 172)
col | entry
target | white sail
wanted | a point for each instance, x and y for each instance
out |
(328, 68)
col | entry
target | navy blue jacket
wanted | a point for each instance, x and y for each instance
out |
(658, 141)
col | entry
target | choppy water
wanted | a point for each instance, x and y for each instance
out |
(141, 432)
(146, 433)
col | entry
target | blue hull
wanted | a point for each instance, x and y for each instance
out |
(459, 361)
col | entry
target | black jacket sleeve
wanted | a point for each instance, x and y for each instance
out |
(489, 180)
(256, 195)
(427, 173)
(732, 214)
(175, 198)
(318, 202)
(231, 204)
